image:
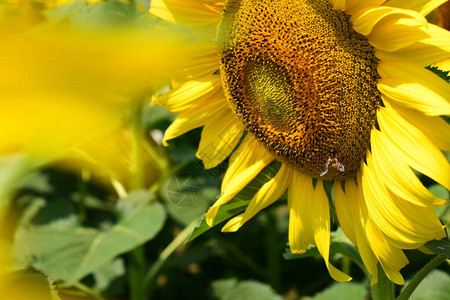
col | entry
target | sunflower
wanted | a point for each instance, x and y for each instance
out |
(337, 91)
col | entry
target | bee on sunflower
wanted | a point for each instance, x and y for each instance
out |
(338, 91)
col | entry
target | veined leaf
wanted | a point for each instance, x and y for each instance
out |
(342, 291)
(231, 289)
(435, 286)
(66, 251)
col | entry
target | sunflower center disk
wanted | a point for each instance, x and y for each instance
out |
(302, 81)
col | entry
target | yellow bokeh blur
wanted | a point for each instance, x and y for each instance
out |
(69, 98)
(66, 91)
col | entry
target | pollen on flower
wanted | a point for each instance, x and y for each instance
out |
(302, 80)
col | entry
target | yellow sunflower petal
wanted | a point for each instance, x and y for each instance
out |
(195, 61)
(433, 49)
(219, 139)
(406, 226)
(190, 93)
(391, 258)
(435, 128)
(353, 6)
(197, 116)
(398, 176)
(321, 229)
(365, 20)
(352, 216)
(394, 275)
(245, 163)
(338, 4)
(412, 86)
(396, 32)
(414, 146)
(424, 7)
(345, 211)
(186, 12)
(368, 257)
(365, 250)
(443, 65)
(270, 192)
(300, 218)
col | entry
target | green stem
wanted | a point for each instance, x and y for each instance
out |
(158, 155)
(150, 277)
(272, 250)
(136, 272)
(346, 264)
(119, 188)
(82, 193)
(137, 256)
(412, 285)
(137, 180)
(384, 289)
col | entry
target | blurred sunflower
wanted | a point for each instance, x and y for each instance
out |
(335, 90)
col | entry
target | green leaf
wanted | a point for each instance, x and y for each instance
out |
(106, 274)
(240, 201)
(63, 12)
(436, 286)
(441, 247)
(66, 251)
(14, 170)
(340, 244)
(26, 284)
(442, 193)
(439, 191)
(188, 193)
(342, 291)
(231, 289)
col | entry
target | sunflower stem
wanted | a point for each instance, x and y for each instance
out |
(384, 289)
(137, 180)
(82, 193)
(412, 285)
(136, 272)
(136, 257)
(346, 264)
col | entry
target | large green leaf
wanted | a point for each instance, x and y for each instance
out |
(188, 193)
(14, 170)
(436, 286)
(240, 201)
(66, 251)
(106, 274)
(342, 291)
(231, 289)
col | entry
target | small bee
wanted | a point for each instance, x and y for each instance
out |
(335, 163)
